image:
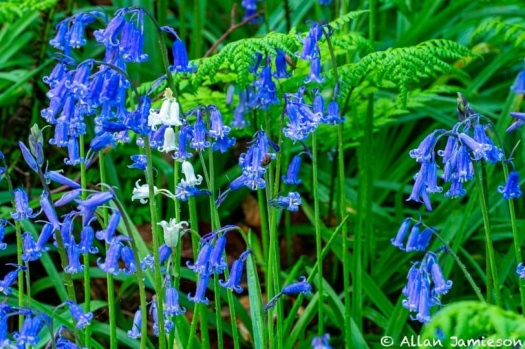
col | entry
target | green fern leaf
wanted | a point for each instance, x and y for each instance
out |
(473, 320)
(341, 21)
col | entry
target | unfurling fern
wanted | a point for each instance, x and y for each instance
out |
(403, 66)
(474, 320)
(510, 32)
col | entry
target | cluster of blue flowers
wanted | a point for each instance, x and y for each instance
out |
(426, 282)
(467, 143)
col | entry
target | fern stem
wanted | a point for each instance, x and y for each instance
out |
(481, 181)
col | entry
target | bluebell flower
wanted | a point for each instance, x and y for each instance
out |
(520, 270)
(310, 48)
(101, 141)
(4, 340)
(135, 331)
(138, 121)
(3, 223)
(66, 229)
(519, 84)
(79, 85)
(132, 45)
(479, 150)
(240, 110)
(168, 144)
(164, 253)
(28, 157)
(295, 288)
(184, 191)
(493, 155)
(419, 192)
(334, 115)
(68, 197)
(22, 209)
(108, 233)
(223, 143)
(73, 153)
(315, 71)
(60, 40)
(110, 265)
(424, 152)
(520, 120)
(199, 141)
(236, 273)
(321, 342)
(49, 210)
(401, 233)
(43, 238)
(82, 319)
(28, 335)
(219, 131)
(216, 260)
(440, 285)
(139, 162)
(181, 63)
(73, 255)
(173, 231)
(108, 36)
(266, 93)
(57, 177)
(292, 175)
(511, 190)
(128, 257)
(171, 300)
(202, 264)
(291, 202)
(61, 137)
(31, 253)
(10, 278)
(424, 239)
(78, 27)
(280, 65)
(185, 134)
(168, 324)
(86, 241)
(325, 3)
(88, 207)
(200, 293)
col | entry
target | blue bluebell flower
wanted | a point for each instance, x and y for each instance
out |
(280, 65)
(236, 273)
(28, 157)
(200, 293)
(239, 120)
(128, 257)
(440, 285)
(59, 178)
(108, 233)
(86, 241)
(88, 206)
(519, 84)
(216, 261)
(135, 331)
(28, 335)
(132, 46)
(334, 115)
(66, 229)
(139, 162)
(295, 288)
(310, 48)
(10, 278)
(60, 40)
(321, 342)
(171, 302)
(68, 197)
(292, 175)
(520, 270)
(202, 264)
(181, 63)
(199, 141)
(31, 253)
(266, 92)
(315, 71)
(77, 30)
(520, 120)
(511, 190)
(168, 324)
(108, 35)
(401, 233)
(110, 265)
(73, 255)
(325, 3)
(185, 135)
(3, 223)
(49, 210)
(61, 137)
(82, 319)
(291, 202)
(79, 85)
(184, 191)
(424, 152)
(419, 192)
(73, 153)
(101, 141)
(43, 238)
(22, 209)
(164, 253)
(493, 155)
(4, 340)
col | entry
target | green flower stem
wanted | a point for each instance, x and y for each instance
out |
(19, 244)
(85, 256)
(295, 308)
(140, 277)
(197, 39)
(193, 328)
(318, 239)
(342, 208)
(156, 242)
(109, 277)
(481, 181)
(199, 312)
(517, 241)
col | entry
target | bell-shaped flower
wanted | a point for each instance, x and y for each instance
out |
(202, 264)
(236, 273)
(10, 278)
(73, 255)
(200, 293)
(31, 253)
(82, 319)
(169, 141)
(28, 335)
(291, 202)
(292, 175)
(189, 173)
(171, 302)
(141, 192)
(511, 190)
(86, 241)
(22, 209)
(110, 265)
(135, 331)
(172, 231)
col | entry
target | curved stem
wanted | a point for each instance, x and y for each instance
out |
(318, 239)
(481, 181)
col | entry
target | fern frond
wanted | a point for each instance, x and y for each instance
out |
(9, 10)
(240, 55)
(513, 33)
(404, 66)
(341, 21)
(471, 319)
(352, 41)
